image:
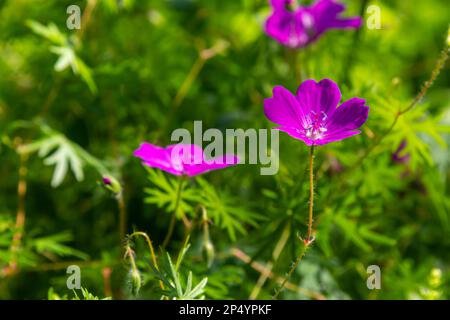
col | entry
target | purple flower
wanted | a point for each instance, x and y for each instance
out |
(312, 114)
(299, 27)
(397, 157)
(182, 159)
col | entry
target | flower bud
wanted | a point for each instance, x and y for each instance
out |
(110, 183)
(208, 252)
(136, 282)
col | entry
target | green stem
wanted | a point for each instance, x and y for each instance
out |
(122, 217)
(293, 61)
(311, 195)
(152, 250)
(294, 266)
(353, 48)
(174, 215)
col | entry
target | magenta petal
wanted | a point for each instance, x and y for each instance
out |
(279, 26)
(315, 119)
(349, 23)
(181, 159)
(212, 164)
(326, 12)
(185, 154)
(327, 9)
(321, 98)
(350, 115)
(284, 109)
(153, 156)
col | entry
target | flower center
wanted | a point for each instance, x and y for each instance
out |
(316, 128)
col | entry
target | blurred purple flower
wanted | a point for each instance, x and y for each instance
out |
(397, 157)
(300, 26)
(106, 180)
(182, 159)
(312, 115)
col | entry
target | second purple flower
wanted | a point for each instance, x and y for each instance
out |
(297, 26)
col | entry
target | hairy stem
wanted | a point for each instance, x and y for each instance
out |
(311, 195)
(309, 238)
(293, 268)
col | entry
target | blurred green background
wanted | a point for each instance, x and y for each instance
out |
(137, 70)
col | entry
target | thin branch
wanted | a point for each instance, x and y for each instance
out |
(263, 269)
(440, 64)
(20, 216)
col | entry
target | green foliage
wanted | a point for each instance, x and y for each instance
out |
(74, 104)
(63, 154)
(63, 48)
(219, 205)
(173, 280)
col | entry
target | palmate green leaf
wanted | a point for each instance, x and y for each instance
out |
(350, 230)
(64, 154)
(50, 32)
(440, 200)
(67, 56)
(63, 157)
(360, 234)
(224, 211)
(55, 244)
(164, 193)
(171, 277)
(411, 127)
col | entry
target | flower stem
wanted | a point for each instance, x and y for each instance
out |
(295, 64)
(174, 215)
(309, 238)
(122, 217)
(351, 55)
(187, 84)
(20, 217)
(152, 250)
(294, 266)
(261, 268)
(86, 18)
